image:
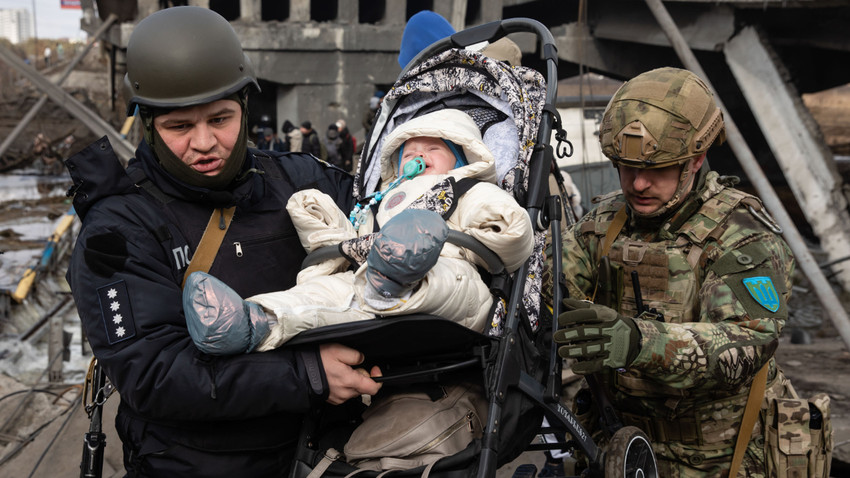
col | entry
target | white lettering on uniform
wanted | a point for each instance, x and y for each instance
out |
(181, 256)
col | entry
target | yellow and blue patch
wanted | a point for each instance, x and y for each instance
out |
(763, 291)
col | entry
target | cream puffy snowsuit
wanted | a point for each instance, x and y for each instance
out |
(326, 293)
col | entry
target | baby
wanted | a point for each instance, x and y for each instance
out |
(409, 269)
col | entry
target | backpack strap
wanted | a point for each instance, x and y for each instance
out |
(611, 234)
(214, 233)
(613, 231)
(210, 243)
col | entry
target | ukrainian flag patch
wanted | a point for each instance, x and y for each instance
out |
(763, 291)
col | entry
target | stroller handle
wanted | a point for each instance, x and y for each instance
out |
(491, 32)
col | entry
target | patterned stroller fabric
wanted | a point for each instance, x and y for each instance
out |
(506, 104)
(448, 80)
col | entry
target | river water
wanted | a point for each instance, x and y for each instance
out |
(31, 207)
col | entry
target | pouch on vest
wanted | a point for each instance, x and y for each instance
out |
(798, 437)
(410, 429)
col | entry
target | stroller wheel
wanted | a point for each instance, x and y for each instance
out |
(629, 455)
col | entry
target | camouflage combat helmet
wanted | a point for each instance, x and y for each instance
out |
(660, 118)
(184, 56)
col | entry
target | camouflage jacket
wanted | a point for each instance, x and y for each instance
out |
(720, 276)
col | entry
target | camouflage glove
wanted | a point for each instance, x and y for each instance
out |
(596, 336)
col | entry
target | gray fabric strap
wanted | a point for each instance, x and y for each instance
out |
(427, 471)
(356, 472)
(330, 456)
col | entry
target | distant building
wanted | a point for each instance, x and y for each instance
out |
(16, 25)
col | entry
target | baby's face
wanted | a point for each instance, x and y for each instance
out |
(439, 159)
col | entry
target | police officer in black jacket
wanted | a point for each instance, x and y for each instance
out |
(183, 413)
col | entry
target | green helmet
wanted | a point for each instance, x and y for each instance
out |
(659, 118)
(184, 56)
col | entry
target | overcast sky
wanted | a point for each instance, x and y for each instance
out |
(52, 21)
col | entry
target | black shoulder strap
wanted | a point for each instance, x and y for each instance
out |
(442, 198)
(141, 180)
(275, 167)
(464, 185)
(270, 166)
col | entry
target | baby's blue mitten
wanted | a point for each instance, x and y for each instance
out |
(404, 250)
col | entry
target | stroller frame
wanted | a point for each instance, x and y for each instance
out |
(499, 357)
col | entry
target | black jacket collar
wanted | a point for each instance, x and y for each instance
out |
(240, 191)
(97, 173)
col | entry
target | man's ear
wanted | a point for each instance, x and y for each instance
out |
(697, 163)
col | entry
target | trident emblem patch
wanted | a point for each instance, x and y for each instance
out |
(763, 291)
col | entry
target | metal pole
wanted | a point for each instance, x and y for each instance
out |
(35, 34)
(831, 305)
(19, 128)
(123, 149)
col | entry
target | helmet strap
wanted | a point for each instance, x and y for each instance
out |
(682, 189)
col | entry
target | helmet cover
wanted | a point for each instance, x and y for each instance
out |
(660, 118)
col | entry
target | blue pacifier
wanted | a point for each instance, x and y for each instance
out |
(413, 167)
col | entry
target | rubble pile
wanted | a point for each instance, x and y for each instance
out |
(53, 133)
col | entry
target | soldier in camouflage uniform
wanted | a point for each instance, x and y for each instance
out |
(713, 275)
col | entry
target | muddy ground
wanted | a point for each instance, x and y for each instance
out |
(820, 364)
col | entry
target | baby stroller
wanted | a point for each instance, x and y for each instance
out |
(515, 360)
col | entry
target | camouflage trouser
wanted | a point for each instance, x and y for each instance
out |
(679, 461)
(798, 433)
(695, 463)
(810, 454)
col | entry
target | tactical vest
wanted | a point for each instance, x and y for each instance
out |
(670, 272)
